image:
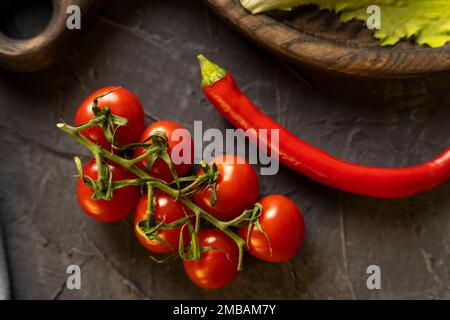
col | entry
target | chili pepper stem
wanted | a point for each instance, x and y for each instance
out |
(211, 72)
(99, 153)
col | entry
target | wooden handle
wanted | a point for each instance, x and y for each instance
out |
(42, 50)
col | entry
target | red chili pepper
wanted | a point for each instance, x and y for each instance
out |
(222, 91)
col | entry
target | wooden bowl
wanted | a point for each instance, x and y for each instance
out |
(309, 37)
(42, 50)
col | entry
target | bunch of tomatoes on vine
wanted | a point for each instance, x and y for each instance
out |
(207, 219)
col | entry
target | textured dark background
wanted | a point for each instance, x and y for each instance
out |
(150, 48)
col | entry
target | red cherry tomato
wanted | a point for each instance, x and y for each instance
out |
(183, 141)
(121, 205)
(122, 103)
(216, 267)
(169, 210)
(283, 224)
(237, 189)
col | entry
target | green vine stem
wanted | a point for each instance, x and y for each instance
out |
(130, 164)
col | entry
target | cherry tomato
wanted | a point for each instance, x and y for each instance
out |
(216, 267)
(121, 205)
(122, 103)
(237, 189)
(283, 224)
(169, 210)
(184, 142)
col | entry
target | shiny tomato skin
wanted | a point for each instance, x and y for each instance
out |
(237, 189)
(170, 210)
(121, 205)
(284, 225)
(160, 169)
(122, 103)
(217, 267)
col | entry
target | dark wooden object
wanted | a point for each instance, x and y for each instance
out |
(43, 49)
(318, 39)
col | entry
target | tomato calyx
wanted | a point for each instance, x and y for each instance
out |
(194, 250)
(250, 217)
(254, 221)
(156, 147)
(148, 228)
(110, 122)
(207, 179)
(103, 186)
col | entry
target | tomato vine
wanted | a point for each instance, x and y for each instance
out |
(181, 188)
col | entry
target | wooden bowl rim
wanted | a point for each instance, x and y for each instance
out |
(321, 53)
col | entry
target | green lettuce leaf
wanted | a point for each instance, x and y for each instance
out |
(426, 21)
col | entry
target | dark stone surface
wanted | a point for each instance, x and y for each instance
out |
(150, 48)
